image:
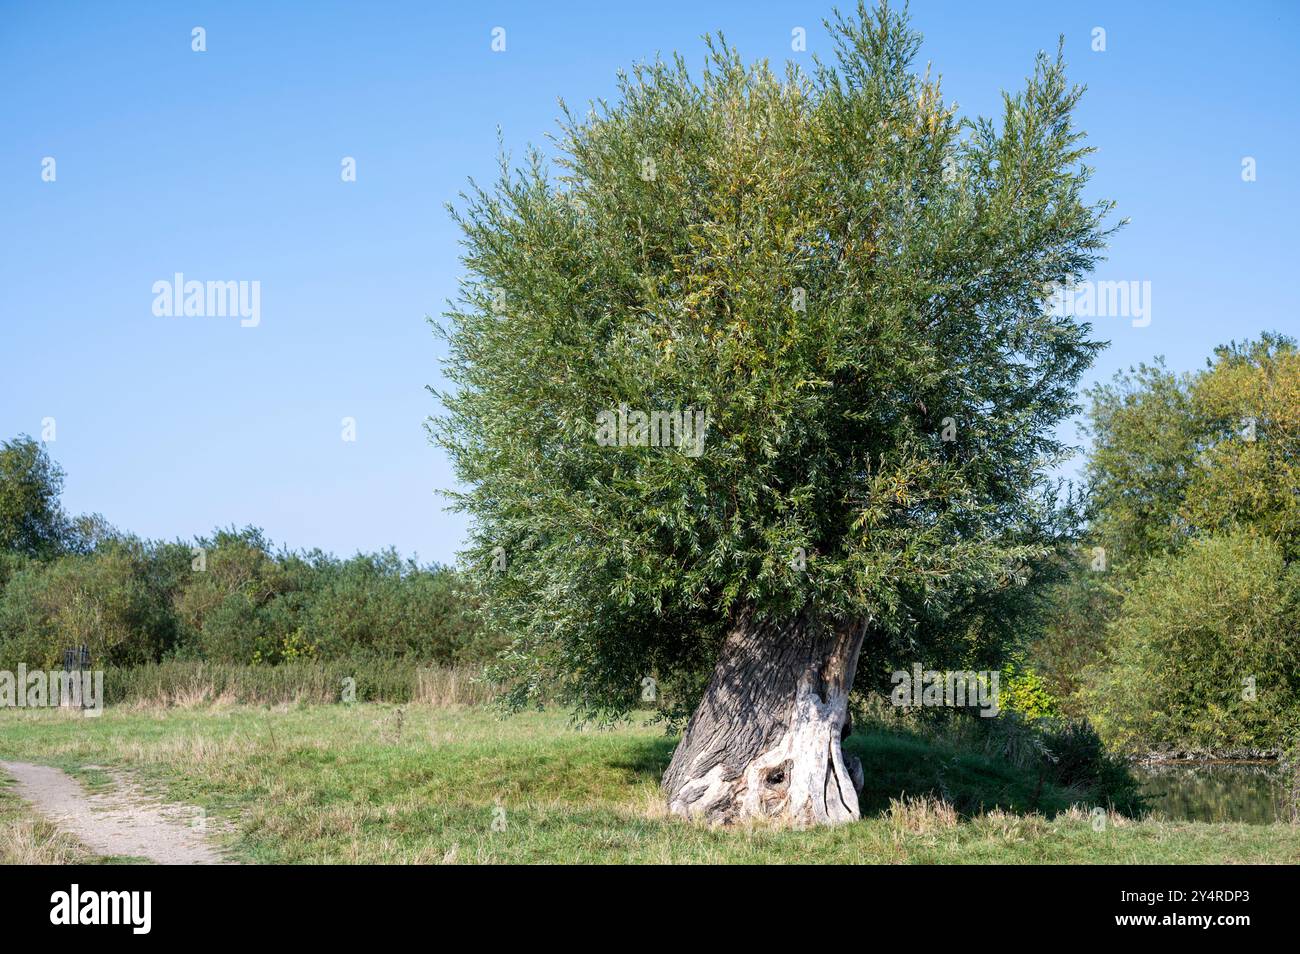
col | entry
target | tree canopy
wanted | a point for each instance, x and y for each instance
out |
(1177, 457)
(32, 521)
(844, 277)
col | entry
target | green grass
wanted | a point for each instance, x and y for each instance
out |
(363, 784)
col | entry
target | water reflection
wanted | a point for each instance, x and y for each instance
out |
(1213, 791)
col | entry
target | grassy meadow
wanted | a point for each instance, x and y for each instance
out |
(382, 783)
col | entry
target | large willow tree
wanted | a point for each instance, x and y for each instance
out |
(764, 373)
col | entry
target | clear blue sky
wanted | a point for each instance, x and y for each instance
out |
(225, 165)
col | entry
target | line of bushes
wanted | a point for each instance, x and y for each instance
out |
(231, 598)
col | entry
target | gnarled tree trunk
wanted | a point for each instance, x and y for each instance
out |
(765, 740)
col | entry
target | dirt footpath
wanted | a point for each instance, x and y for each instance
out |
(121, 822)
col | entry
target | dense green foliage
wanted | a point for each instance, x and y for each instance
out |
(1206, 651)
(1179, 457)
(228, 598)
(1070, 639)
(133, 602)
(100, 600)
(1027, 694)
(849, 281)
(1187, 633)
(32, 522)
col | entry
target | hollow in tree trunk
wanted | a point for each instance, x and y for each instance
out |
(765, 740)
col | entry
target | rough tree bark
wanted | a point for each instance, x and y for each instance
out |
(765, 740)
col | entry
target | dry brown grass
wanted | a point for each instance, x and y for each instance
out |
(28, 839)
(453, 686)
(1093, 816)
(922, 815)
(201, 686)
(191, 696)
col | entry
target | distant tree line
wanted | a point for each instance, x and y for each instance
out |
(231, 598)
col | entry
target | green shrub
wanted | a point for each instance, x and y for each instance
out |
(99, 600)
(224, 604)
(10, 563)
(1025, 693)
(383, 606)
(1204, 654)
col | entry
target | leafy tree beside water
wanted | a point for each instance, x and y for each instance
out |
(1194, 481)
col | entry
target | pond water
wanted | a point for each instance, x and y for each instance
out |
(1213, 791)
